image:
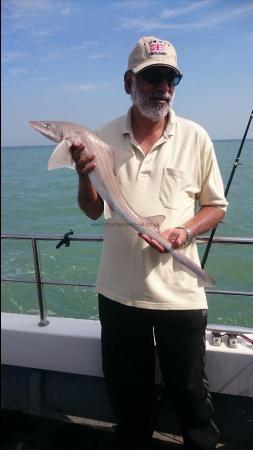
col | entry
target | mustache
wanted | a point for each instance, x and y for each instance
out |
(160, 95)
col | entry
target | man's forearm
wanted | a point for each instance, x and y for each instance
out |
(89, 200)
(206, 219)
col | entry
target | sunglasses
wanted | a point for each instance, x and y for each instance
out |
(155, 76)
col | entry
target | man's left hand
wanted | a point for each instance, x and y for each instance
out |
(176, 236)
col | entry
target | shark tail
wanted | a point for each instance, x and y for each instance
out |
(203, 277)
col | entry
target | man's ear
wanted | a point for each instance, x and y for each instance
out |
(128, 81)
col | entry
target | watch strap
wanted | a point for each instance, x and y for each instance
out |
(189, 233)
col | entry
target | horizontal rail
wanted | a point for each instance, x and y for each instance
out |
(99, 237)
(228, 292)
(40, 282)
(48, 282)
(225, 240)
(92, 285)
(51, 237)
(229, 328)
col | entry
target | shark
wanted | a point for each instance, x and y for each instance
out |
(104, 180)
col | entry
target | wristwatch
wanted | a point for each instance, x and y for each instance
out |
(189, 233)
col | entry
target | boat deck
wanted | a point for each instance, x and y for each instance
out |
(22, 431)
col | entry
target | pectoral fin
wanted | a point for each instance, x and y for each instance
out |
(107, 211)
(61, 157)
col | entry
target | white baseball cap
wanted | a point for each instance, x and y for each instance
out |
(150, 51)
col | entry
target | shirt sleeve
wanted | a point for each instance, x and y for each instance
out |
(212, 189)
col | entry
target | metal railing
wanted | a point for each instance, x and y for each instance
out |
(40, 282)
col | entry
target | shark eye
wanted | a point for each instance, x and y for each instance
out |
(46, 125)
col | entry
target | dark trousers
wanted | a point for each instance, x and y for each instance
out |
(128, 355)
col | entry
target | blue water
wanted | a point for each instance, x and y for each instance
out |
(35, 200)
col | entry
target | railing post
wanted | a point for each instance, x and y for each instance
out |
(43, 319)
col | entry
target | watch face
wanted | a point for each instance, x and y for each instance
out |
(189, 233)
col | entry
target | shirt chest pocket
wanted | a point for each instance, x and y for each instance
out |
(172, 188)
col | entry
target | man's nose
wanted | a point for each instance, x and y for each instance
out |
(165, 86)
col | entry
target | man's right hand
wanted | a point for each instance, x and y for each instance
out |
(88, 198)
(84, 163)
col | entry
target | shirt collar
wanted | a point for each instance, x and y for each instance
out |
(126, 126)
(170, 129)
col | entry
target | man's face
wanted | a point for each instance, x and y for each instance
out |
(152, 92)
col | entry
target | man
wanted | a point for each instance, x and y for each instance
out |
(165, 165)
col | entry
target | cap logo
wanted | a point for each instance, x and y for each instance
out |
(156, 48)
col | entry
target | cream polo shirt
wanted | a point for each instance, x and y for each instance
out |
(178, 175)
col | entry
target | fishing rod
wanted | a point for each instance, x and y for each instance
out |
(236, 164)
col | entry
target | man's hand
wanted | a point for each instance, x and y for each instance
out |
(84, 163)
(88, 198)
(176, 236)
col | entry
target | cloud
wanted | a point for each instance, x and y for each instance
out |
(17, 72)
(41, 34)
(13, 56)
(38, 80)
(100, 55)
(229, 15)
(143, 24)
(53, 56)
(18, 9)
(67, 11)
(20, 15)
(168, 13)
(134, 4)
(67, 52)
(85, 87)
(83, 46)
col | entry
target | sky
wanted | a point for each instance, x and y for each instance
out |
(65, 60)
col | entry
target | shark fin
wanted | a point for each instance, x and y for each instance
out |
(61, 157)
(107, 211)
(189, 266)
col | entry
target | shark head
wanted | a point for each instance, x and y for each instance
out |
(50, 129)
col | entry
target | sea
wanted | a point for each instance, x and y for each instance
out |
(35, 200)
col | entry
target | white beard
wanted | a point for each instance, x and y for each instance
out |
(148, 107)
